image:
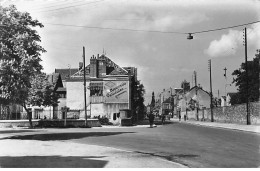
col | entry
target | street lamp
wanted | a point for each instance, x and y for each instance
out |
(189, 37)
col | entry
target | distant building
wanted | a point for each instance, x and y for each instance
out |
(195, 94)
(168, 100)
(223, 101)
(166, 94)
(226, 101)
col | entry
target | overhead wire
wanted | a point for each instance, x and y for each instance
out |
(152, 31)
(110, 28)
(224, 28)
(71, 6)
(57, 4)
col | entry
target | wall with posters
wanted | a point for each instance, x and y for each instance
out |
(116, 91)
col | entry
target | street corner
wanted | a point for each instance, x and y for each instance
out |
(46, 154)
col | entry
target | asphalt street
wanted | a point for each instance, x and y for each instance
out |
(190, 145)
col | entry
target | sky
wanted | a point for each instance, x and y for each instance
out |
(150, 35)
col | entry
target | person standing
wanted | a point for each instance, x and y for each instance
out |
(151, 120)
(179, 113)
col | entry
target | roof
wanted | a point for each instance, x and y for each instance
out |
(80, 72)
(55, 79)
(198, 88)
(64, 73)
(118, 71)
(231, 94)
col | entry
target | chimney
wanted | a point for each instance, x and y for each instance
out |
(93, 67)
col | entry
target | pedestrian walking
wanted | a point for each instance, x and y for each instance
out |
(151, 120)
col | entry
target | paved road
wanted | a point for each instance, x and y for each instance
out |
(190, 145)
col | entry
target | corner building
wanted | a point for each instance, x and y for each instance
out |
(108, 89)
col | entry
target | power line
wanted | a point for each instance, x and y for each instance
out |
(110, 28)
(223, 28)
(57, 5)
(152, 31)
(72, 6)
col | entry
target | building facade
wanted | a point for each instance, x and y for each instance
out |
(108, 90)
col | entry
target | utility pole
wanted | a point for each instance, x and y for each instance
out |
(225, 75)
(85, 99)
(211, 106)
(248, 122)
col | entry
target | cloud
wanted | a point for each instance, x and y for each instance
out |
(225, 44)
(253, 36)
(229, 43)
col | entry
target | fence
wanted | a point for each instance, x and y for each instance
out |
(6, 114)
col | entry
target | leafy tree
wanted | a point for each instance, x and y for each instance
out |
(253, 81)
(41, 93)
(20, 60)
(152, 101)
(138, 100)
(185, 85)
(216, 102)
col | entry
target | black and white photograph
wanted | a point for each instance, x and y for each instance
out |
(129, 84)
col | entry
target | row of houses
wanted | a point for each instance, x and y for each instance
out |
(108, 92)
(178, 100)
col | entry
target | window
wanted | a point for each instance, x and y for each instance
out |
(62, 95)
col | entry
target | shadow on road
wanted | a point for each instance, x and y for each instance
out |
(64, 136)
(52, 162)
(14, 131)
(156, 122)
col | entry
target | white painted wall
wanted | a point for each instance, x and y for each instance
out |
(75, 95)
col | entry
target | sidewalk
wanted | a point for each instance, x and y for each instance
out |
(240, 127)
(64, 154)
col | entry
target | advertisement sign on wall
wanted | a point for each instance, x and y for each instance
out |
(116, 91)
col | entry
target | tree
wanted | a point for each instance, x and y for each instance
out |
(253, 81)
(20, 58)
(185, 86)
(152, 101)
(138, 100)
(41, 93)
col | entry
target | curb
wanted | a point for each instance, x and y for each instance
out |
(217, 126)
